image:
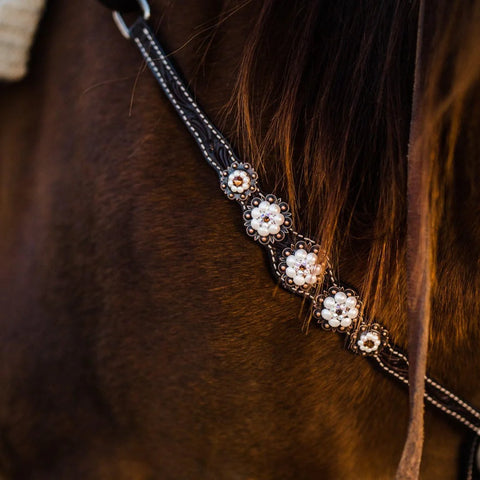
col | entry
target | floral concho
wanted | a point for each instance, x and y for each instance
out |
(300, 265)
(337, 309)
(238, 181)
(267, 219)
(369, 339)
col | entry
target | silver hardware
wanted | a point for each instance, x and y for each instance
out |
(120, 22)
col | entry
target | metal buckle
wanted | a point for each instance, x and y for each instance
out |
(120, 22)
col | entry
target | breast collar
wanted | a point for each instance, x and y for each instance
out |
(297, 262)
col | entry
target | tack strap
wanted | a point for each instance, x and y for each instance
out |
(362, 337)
(418, 253)
(122, 6)
(214, 147)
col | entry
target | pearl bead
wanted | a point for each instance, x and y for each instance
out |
(309, 279)
(340, 297)
(256, 213)
(278, 218)
(327, 314)
(317, 270)
(314, 279)
(291, 272)
(351, 302)
(273, 229)
(352, 313)
(346, 322)
(329, 302)
(291, 261)
(274, 208)
(299, 280)
(255, 223)
(334, 323)
(263, 231)
(301, 254)
(264, 205)
(311, 257)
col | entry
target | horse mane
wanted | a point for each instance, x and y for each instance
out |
(328, 123)
(330, 117)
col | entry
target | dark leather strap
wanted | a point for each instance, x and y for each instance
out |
(392, 361)
(220, 156)
(123, 6)
(214, 147)
(469, 459)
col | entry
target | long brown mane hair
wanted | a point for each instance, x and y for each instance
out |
(333, 117)
(330, 123)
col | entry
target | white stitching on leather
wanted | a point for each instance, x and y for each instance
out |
(176, 105)
(187, 95)
(449, 394)
(434, 402)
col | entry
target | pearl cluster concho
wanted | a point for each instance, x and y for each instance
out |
(368, 339)
(267, 220)
(337, 309)
(302, 265)
(238, 181)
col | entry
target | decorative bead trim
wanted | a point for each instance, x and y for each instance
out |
(337, 309)
(365, 339)
(368, 339)
(301, 265)
(238, 181)
(267, 219)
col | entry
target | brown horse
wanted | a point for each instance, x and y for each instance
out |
(142, 334)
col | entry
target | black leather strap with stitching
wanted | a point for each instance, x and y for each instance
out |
(219, 155)
(123, 6)
(214, 147)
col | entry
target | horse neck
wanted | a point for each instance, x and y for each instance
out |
(123, 257)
